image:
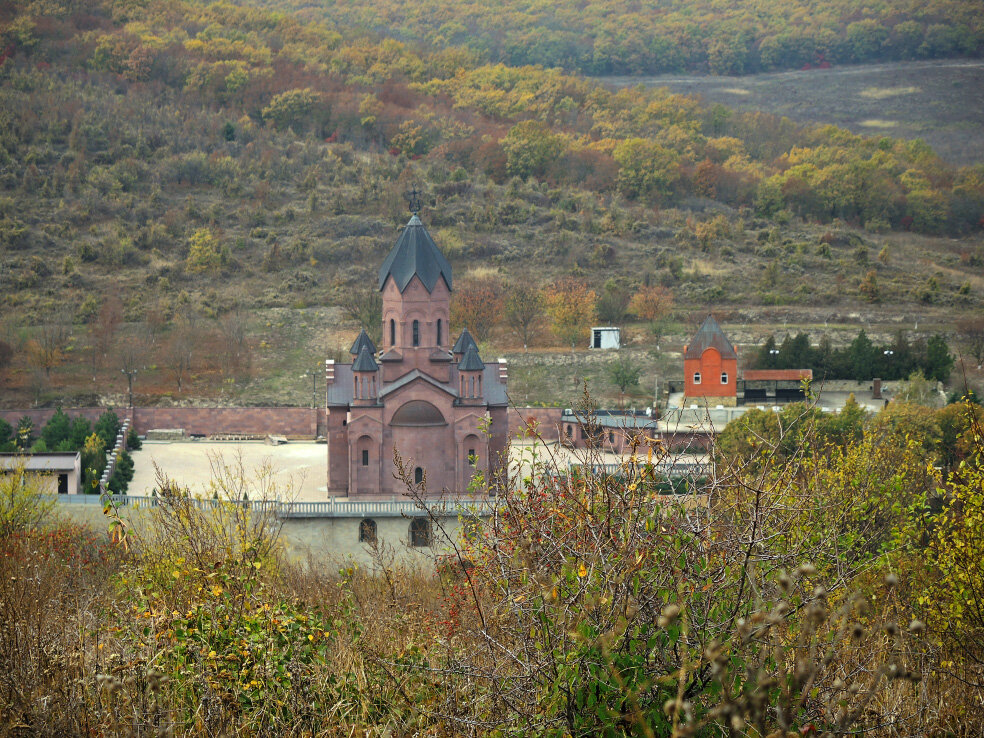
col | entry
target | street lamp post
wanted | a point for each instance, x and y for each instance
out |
(130, 374)
(314, 386)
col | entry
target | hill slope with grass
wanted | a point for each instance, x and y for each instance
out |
(179, 170)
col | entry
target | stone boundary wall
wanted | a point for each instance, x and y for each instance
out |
(547, 420)
(295, 422)
(40, 416)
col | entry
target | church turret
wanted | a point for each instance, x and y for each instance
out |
(461, 346)
(364, 375)
(415, 280)
(470, 371)
(362, 340)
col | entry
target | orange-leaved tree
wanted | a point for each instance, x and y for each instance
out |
(477, 305)
(654, 305)
(570, 305)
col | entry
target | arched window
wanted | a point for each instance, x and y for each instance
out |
(418, 413)
(439, 332)
(363, 450)
(696, 377)
(418, 476)
(420, 532)
(392, 332)
(367, 531)
(724, 377)
(470, 446)
(570, 432)
(416, 333)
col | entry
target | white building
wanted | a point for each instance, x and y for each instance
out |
(605, 337)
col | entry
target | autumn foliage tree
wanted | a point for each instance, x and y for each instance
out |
(523, 309)
(653, 304)
(477, 305)
(570, 305)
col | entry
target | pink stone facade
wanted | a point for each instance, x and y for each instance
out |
(413, 403)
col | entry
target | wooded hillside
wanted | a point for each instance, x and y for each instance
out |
(655, 36)
(191, 158)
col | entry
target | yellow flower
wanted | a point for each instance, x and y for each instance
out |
(582, 570)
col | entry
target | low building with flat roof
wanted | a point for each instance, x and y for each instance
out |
(59, 473)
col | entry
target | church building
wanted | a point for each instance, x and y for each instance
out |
(710, 366)
(435, 403)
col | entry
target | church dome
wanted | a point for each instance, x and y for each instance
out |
(415, 254)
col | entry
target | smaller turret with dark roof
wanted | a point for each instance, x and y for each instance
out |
(364, 375)
(470, 371)
(460, 347)
(364, 361)
(471, 361)
(362, 340)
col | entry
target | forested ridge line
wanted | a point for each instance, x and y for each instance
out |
(661, 36)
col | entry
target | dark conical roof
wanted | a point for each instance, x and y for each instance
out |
(710, 335)
(471, 361)
(364, 362)
(415, 253)
(360, 341)
(464, 341)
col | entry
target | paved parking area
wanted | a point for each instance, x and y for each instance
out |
(298, 466)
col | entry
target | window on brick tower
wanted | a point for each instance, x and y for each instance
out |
(724, 377)
(392, 332)
(365, 457)
(696, 377)
(472, 458)
(438, 331)
(416, 333)
(418, 475)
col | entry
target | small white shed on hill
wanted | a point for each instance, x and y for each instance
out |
(605, 337)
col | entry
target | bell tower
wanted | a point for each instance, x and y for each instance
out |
(415, 280)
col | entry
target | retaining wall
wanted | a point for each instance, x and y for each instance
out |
(298, 422)
(324, 541)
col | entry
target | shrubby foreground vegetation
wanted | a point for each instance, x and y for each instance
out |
(828, 586)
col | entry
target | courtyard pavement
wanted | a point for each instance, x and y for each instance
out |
(299, 466)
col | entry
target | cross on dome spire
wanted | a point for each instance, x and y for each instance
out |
(413, 200)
